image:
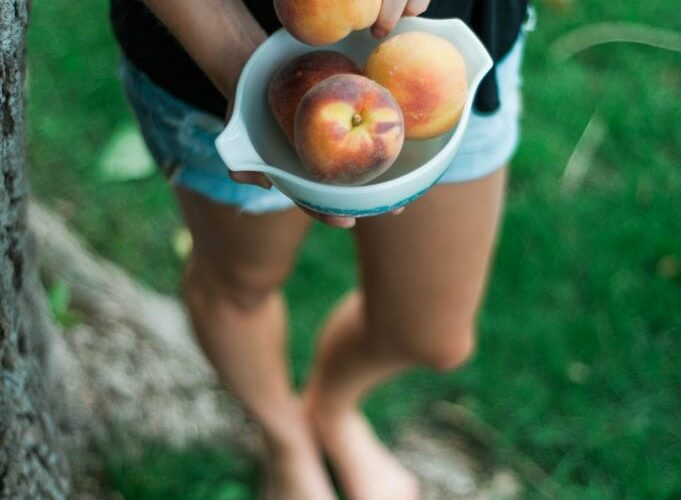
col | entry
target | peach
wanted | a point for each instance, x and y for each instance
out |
(348, 130)
(290, 83)
(322, 22)
(427, 76)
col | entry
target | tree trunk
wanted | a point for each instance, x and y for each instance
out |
(31, 465)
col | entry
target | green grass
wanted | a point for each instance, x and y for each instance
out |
(199, 472)
(578, 363)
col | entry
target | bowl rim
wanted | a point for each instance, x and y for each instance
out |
(237, 123)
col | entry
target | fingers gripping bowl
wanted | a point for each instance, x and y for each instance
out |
(253, 141)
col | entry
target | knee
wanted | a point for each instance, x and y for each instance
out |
(242, 289)
(442, 349)
(451, 353)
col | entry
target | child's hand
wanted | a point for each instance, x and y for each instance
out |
(393, 10)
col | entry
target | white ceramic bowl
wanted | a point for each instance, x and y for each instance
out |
(253, 141)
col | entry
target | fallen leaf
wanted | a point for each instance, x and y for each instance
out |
(182, 243)
(126, 157)
(578, 372)
(668, 267)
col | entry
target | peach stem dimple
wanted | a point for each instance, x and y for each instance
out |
(356, 120)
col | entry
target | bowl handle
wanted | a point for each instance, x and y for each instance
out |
(475, 53)
(237, 151)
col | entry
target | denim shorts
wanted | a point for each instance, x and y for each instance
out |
(181, 139)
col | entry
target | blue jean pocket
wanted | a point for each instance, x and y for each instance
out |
(160, 118)
(196, 137)
(177, 134)
(181, 139)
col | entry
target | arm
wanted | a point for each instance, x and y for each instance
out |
(220, 35)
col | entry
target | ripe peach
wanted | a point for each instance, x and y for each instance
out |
(348, 130)
(427, 76)
(290, 83)
(322, 22)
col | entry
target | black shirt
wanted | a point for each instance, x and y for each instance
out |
(152, 49)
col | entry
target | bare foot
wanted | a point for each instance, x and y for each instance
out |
(297, 475)
(365, 467)
(294, 467)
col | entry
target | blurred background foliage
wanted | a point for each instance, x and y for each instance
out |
(580, 338)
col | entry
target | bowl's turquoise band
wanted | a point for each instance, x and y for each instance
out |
(341, 212)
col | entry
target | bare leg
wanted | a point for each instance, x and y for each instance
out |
(232, 289)
(423, 276)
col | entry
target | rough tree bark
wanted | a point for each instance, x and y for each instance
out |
(31, 465)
